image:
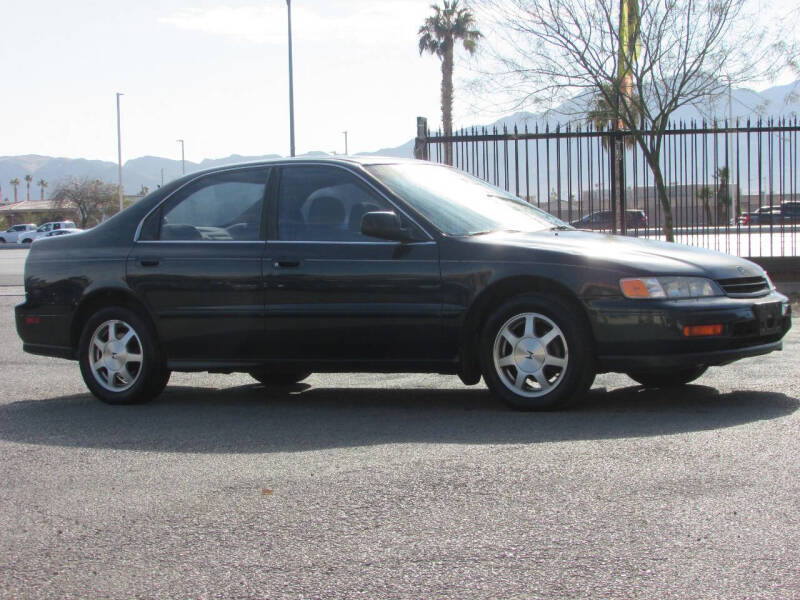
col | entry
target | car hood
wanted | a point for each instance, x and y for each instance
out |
(625, 253)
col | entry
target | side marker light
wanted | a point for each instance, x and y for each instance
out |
(702, 330)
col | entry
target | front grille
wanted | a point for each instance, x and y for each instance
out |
(743, 287)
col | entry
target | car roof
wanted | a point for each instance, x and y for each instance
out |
(307, 159)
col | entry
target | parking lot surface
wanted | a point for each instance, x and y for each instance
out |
(398, 486)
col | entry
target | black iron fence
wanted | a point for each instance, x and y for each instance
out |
(730, 188)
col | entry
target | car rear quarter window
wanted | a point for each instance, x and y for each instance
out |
(222, 207)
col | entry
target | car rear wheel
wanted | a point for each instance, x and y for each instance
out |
(119, 358)
(271, 377)
(667, 377)
(536, 353)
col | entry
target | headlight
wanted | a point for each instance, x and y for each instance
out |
(668, 287)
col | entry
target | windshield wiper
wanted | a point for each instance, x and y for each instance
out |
(491, 231)
(561, 227)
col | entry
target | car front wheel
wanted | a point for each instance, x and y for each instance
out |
(119, 359)
(536, 353)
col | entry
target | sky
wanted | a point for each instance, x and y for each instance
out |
(211, 72)
(215, 74)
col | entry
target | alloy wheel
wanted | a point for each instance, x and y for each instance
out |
(530, 354)
(115, 355)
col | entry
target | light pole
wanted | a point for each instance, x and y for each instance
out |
(291, 82)
(119, 151)
(345, 143)
(183, 161)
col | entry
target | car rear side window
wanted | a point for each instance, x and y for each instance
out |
(223, 207)
(320, 203)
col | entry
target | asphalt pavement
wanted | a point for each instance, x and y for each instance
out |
(398, 486)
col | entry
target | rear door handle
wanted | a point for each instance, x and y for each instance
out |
(286, 263)
(149, 261)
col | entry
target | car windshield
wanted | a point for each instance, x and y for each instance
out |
(459, 204)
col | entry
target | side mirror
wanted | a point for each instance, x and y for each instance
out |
(385, 225)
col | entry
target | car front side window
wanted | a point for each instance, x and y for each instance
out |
(320, 203)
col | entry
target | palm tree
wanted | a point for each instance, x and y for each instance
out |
(438, 36)
(28, 179)
(602, 112)
(723, 194)
(15, 183)
(705, 194)
(42, 184)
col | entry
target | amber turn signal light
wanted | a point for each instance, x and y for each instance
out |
(702, 330)
(634, 288)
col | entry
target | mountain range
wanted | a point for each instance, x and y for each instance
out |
(148, 171)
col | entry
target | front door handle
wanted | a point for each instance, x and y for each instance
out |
(149, 261)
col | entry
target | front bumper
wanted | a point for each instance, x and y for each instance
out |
(640, 335)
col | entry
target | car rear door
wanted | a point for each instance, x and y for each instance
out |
(197, 264)
(335, 294)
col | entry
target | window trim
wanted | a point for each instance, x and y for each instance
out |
(271, 201)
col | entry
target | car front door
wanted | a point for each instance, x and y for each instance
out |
(336, 294)
(197, 264)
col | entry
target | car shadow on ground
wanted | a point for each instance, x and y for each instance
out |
(255, 419)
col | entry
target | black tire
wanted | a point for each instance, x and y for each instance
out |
(27, 241)
(539, 383)
(2, 240)
(273, 378)
(142, 379)
(667, 377)
(162, 383)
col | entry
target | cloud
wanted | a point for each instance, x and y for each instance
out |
(357, 22)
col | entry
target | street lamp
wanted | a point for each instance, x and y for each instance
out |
(119, 151)
(291, 83)
(183, 161)
(345, 143)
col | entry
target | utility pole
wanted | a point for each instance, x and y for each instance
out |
(291, 82)
(345, 143)
(119, 151)
(618, 216)
(183, 161)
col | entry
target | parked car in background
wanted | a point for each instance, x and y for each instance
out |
(58, 232)
(790, 211)
(13, 233)
(44, 229)
(763, 215)
(602, 219)
(284, 268)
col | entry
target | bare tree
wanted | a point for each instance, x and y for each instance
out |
(89, 198)
(568, 52)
